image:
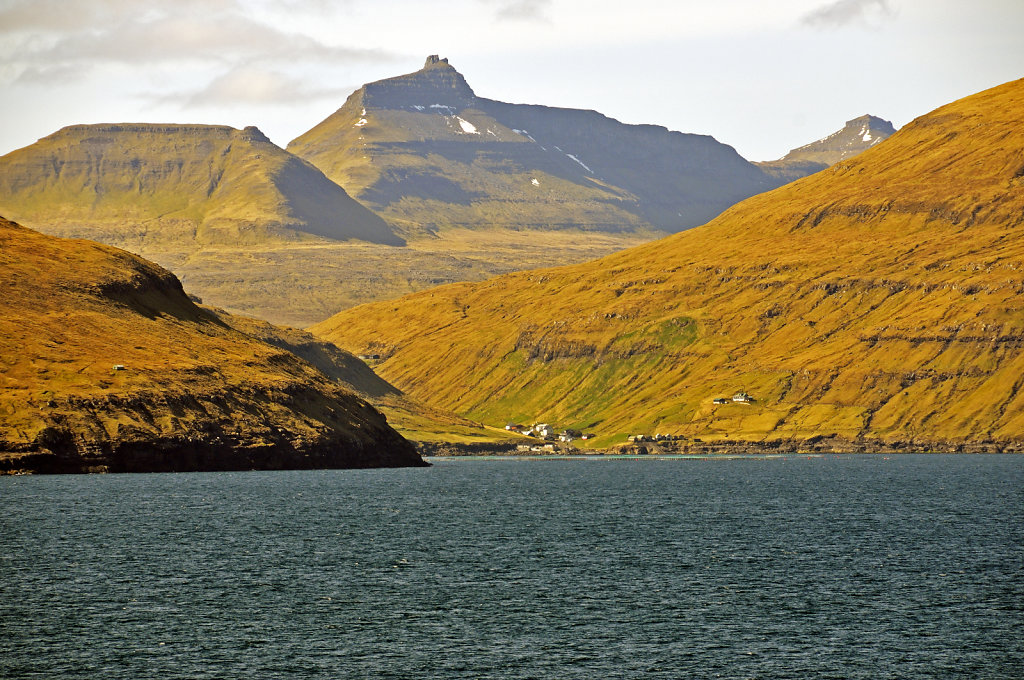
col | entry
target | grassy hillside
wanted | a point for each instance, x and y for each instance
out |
(144, 186)
(105, 364)
(410, 417)
(880, 298)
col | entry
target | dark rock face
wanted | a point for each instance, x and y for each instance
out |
(424, 149)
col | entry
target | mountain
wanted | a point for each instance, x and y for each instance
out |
(148, 187)
(876, 301)
(858, 135)
(425, 152)
(248, 226)
(108, 366)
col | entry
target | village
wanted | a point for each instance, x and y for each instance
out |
(544, 432)
(549, 442)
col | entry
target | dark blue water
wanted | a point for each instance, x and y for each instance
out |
(834, 567)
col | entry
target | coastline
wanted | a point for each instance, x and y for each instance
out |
(812, 445)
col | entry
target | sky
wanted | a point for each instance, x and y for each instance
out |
(763, 77)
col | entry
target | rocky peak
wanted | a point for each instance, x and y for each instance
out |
(436, 85)
(859, 134)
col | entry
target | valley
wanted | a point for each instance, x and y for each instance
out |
(298, 284)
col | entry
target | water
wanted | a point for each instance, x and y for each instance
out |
(790, 567)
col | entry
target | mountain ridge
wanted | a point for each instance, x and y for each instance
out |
(423, 150)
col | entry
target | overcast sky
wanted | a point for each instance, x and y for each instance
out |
(761, 76)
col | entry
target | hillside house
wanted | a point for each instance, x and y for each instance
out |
(720, 400)
(542, 430)
(742, 398)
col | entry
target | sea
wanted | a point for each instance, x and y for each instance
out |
(832, 567)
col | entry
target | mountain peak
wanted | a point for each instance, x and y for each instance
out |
(436, 84)
(876, 123)
(859, 134)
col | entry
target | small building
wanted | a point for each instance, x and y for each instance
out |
(720, 400)
(543, 430)
(513, 427)
(742, 398)
(118, 367)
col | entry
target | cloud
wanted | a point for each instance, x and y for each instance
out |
(252, 85)
(60, 74)
(845, 12)
(192, 38)
(520, 10)
(60, 15)
(41, 40)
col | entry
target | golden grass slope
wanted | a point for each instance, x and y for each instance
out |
(411, 418)
(145, 186)
(880, 298)
(105, 364)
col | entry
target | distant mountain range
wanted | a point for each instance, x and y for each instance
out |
(857, 136)
(874, 304)
(470, 187)
(425, 152)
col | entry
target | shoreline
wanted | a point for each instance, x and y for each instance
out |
(813, 445)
